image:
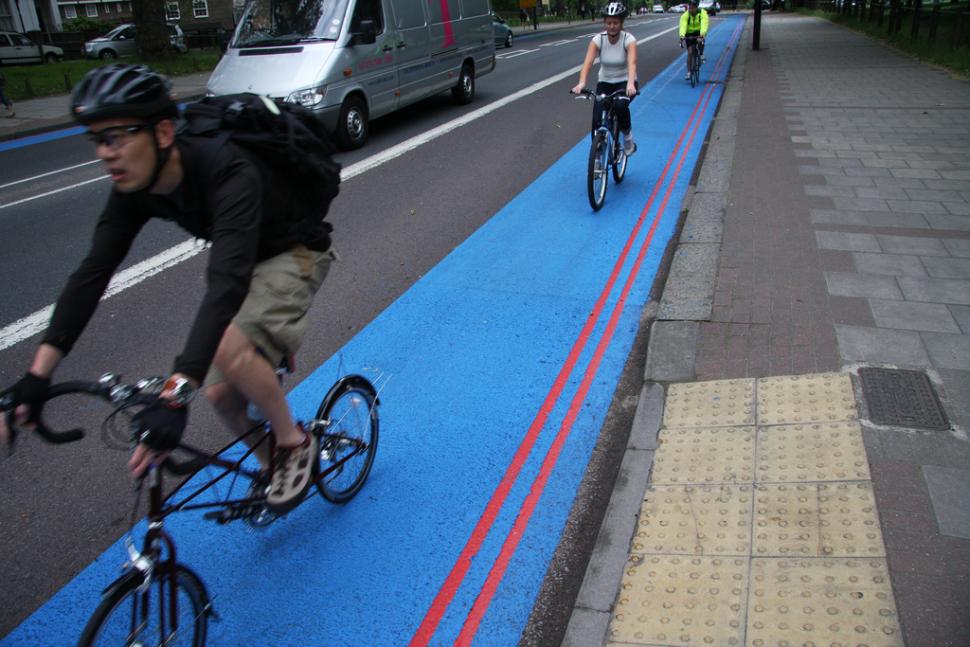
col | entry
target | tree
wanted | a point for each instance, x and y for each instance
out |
(153, 39)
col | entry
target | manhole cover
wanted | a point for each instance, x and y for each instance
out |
(902, 399)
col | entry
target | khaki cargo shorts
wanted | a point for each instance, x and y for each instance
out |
(281, 291)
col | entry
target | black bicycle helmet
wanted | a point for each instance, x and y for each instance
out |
(120, 90)
(615, 10)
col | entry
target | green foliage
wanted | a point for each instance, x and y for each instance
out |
(939, 52)
(83, 23)
(31, 81)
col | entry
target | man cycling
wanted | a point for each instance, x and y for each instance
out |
(693, 30)
(617, 51)
(270, 253)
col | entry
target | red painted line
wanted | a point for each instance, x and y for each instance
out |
(497, 572)
(449, 588)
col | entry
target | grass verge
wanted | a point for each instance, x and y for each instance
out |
(32, 81)
(939, 52)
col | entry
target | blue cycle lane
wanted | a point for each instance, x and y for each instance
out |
(497, 369)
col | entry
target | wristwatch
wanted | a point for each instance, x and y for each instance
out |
(181, 389)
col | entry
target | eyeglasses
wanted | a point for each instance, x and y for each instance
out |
(116, 136)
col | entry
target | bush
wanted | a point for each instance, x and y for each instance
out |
(83, 24)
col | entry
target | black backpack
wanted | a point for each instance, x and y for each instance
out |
(285, 136)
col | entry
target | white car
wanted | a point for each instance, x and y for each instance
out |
(120, 41)
(16, 48)
(678, 8)
(658, 8)
(710, 6)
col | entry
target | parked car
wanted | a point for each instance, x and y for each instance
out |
(678, 8)
(710, 6)
(120, 41)
(503, 33)
(16, 48)
(658, 8)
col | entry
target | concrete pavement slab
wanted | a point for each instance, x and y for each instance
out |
(948, 489)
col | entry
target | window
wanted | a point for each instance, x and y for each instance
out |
(200, 8)
(91, 10)
(70, 12)
(172, 11)
(6, 20)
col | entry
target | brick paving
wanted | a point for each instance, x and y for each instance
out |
(847, 242)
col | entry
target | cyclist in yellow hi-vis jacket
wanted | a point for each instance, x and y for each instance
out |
(693, 29)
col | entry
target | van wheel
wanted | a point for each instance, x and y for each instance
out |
(352, 124)
(464, 92)
(107, 55)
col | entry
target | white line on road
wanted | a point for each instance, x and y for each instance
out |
(31, 325)
(50, 193)
(37, 322)
(37, 177)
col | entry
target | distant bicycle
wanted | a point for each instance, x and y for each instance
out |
(606, 150)
(694, 58)
(158, 601)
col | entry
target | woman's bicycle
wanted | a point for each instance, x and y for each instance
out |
(159, 601)
(606, 150)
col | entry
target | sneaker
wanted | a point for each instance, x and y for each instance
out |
(687, 77)
(629, 147)
(292, 474)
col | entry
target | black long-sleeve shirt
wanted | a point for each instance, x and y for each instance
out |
(248, 211)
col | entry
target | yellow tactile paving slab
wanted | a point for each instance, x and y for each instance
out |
(723, 403)
(821, 602)
(806, 398)
(759, 526)
(813, 452)
(705, 456)
(681, 601)
(816, 520)
(695, 520)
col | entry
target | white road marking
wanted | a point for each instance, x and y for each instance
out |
(37, 177)
(37, 322)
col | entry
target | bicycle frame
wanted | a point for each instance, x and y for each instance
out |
(157, 561)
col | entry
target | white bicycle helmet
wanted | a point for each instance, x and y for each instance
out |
(615, 10)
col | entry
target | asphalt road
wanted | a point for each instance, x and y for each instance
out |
(61, 507)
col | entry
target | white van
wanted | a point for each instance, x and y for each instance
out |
(353, 60)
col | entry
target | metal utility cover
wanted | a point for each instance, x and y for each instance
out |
(902, 398)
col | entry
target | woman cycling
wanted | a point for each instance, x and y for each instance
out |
(617, 51)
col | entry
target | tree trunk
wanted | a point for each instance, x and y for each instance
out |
(153, 40)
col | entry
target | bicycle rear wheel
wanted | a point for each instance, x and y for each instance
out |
(619, 156)
(130, 617)
(348, 437)
(597, 173)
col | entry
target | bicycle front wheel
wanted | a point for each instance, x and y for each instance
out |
(596, 176)
(348, 438)
(619, 157)
(133, 618)
(695, 67)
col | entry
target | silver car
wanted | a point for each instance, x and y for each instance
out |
(120, 41)
(15, 48)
